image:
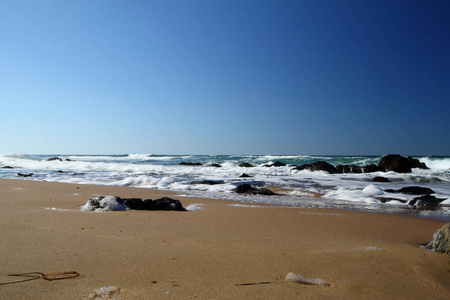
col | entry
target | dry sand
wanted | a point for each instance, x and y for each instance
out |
(204, 254)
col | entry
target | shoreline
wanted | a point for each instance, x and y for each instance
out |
(204, 254)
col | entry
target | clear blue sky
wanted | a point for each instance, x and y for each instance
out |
(225, 77)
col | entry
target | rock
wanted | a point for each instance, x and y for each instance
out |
(243, 188)
(7, 167)
(25, 174)
(441, 240)
(318, 166)
(132, 203)
(208, 182)
(400, 164)
(54, 158)
(68, 159)
(372, 168)
(426, 201)
(246, 188)
(245, 175)
(415, 190)
(167, 203)
(215, 165)
(380, 179)
(276, 164)
(246, 165)
(183, 163)
(348, 169)
(108, 203)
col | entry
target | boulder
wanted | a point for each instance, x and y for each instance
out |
(246, 165)
(208, 182)
(183, 163)
(244, 175)
(441, 240)
(372, 168)
(348, 169)
(25, 174)
(215, 166)
(412, 190)
(426, 201)
(54, 158)
(318, 166)
(380, 179)
(246, 188)
(108, 203)
(7, 167)
(400, 164)
(276, 164)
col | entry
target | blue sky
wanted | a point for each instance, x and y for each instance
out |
(225, 77)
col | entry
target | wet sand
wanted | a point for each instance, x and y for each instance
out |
(205, 254)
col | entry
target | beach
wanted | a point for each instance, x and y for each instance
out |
(209, 253)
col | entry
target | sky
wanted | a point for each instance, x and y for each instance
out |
(336, 77)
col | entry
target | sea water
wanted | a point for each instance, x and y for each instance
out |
(296, 188)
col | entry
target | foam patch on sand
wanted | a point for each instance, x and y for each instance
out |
(322, 214)
(246, 205)
(195, 207)
(297, 278)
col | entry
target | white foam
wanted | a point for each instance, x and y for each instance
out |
(195, 207)
(297, 278)
(107, 203)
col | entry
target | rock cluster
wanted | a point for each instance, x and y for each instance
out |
(108, 203)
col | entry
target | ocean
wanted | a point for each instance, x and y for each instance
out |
(295, 188)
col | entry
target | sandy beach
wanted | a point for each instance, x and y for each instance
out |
(206, 254)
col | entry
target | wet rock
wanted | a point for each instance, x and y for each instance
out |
(215, 166)
(348, 169)
(25, 174)
(246, 188)
(54, 158)
(167, 203)
(318, 166)
(372, 168)
(132, 203)
(208, 182)
(244, 175)
(400, 164)
(380, 179)
(246, 165)
(415, 190)
(441, 240)
(276, 164)
(7, 167)
(426, 201)
(68, 159)
(183, 163)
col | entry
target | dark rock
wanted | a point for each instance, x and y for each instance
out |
(243, 188)
(276, 164)
(68, 159)
(441, 240)
(348, 169)
(183, 163)
(215, 165)
(246, 165)
(25, 174)
(318, 166)
(7, 167)
(246, 188)
(132, 203)
(400, 164)
(426, 201)
(380, 179)
(54, 158)
(167, 203)
(208, 182)
(416, 190)
(245, 175)
(372, 168)
(61, 171)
